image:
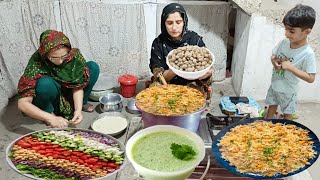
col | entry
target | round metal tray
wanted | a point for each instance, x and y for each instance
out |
(8, 151)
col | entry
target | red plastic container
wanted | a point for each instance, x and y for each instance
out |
(128, 84)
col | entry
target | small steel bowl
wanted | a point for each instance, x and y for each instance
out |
(111, 102)
(132, 108)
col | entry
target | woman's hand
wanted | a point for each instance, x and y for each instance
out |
(57, 122)
(208, 74)
(77, 117)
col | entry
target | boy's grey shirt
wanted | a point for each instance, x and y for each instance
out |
(302, 58)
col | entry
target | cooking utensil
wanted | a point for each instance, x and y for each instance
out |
(111, 102)
(164, 82)
(188, 121)
(132, 108)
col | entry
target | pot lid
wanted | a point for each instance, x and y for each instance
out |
(128, 79)
(105, 82)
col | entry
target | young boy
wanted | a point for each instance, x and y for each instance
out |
(292, 59)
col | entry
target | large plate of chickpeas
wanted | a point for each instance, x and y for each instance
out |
(66, 153)
(190, 62)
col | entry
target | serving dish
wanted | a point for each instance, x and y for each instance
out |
(66, 153)
(226, 164)
(148, 172)
(111, 123)
(190, 75)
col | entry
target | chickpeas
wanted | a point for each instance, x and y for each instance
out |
(190, 58)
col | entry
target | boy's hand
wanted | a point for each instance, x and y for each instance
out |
(275, 62)
(286, 65)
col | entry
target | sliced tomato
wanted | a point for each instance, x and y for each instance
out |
(42, 146)
(84, 157)
(25, 145)
(98, 166)
(80, 161)
(36, 148)
(66, 153)
(60, 149)
(112, 165)
(48, 154)
(56, 146)
(61, 156)
(76, 153)
(42, 152)
(55, 156)
(92, 160)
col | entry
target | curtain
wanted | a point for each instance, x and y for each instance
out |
(21, 23)
(210, 22)
(113, 35)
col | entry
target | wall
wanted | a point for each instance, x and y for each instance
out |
(265, 31)
(240, 49)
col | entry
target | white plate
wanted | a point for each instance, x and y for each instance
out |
(111, 125)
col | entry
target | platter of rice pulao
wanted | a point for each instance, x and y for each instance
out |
(262, 149)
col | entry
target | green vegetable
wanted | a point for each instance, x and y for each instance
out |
(40, 173)
(183, 152)
(172, 102)
(267, 151)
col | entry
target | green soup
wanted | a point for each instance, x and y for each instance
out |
(153, 151)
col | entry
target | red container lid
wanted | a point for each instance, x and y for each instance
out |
(128, 79)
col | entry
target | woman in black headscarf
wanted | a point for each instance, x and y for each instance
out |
(174, 34)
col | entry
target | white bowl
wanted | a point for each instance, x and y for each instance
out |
(161, 175)
(110, 123)
(190, 75)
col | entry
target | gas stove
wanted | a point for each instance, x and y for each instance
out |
(211, 125)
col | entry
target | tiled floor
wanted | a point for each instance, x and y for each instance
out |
(13, 125)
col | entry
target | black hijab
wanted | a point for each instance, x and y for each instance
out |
(163, 44)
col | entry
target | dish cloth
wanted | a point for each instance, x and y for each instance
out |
(247, 109)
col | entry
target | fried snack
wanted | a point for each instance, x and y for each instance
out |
(170, 100)
(268, 149)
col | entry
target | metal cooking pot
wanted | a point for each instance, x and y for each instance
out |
(188, 121)
(111, 102)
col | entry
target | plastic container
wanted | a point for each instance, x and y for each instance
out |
(162, 175)
(128, 84)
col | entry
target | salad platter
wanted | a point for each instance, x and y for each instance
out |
(66, 153)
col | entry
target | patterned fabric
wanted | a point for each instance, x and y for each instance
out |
(71, 74)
